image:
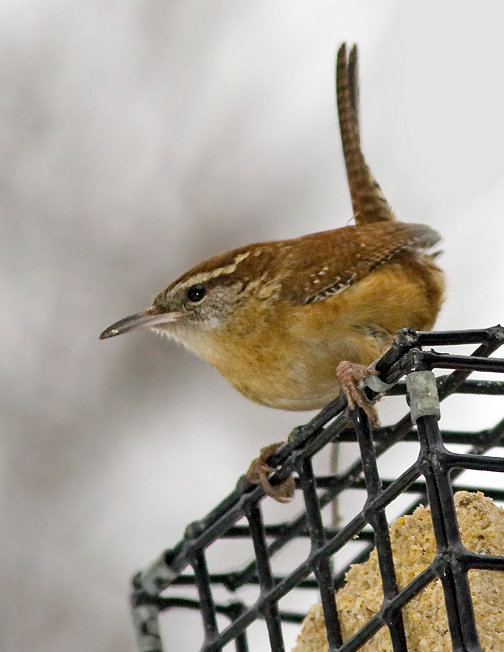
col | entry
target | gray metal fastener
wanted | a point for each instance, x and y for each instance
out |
(373, 382)
(423, 395)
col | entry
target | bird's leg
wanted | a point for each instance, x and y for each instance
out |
(258, 474)
(350, 374)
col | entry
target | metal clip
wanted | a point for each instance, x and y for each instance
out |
(375, 383)
(423, 395)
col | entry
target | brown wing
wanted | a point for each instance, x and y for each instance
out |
(368, 202)
(314, 272)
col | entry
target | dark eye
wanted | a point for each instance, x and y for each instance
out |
(196, 292)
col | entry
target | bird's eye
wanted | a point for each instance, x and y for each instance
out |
(196, 292)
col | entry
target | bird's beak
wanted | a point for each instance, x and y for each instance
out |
(145, 319)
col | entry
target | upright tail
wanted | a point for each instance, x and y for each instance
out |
(369, 203)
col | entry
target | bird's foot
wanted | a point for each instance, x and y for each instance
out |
(258, 474)
(350, 374)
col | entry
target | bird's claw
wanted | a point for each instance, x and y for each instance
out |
(259, 471)
(350, 374)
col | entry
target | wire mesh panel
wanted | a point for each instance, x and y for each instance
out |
(255, 589)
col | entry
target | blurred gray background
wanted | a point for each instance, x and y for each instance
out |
(137, 138)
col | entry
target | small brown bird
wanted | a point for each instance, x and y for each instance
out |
(291, 323)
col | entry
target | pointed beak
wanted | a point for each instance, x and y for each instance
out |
(145, 319)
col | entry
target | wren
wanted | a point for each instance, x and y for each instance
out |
(291, 323)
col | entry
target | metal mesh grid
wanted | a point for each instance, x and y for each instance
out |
(430, 478)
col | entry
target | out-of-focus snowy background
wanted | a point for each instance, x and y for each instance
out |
(138, 137)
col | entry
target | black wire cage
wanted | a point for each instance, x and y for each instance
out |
(253, 594)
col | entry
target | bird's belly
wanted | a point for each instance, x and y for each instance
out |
(301, 376)
(297, 395)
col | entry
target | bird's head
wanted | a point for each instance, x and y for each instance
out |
(201, 300)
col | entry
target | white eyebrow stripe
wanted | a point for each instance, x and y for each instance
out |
(202, 277)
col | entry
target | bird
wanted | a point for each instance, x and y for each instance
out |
(292, 323)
